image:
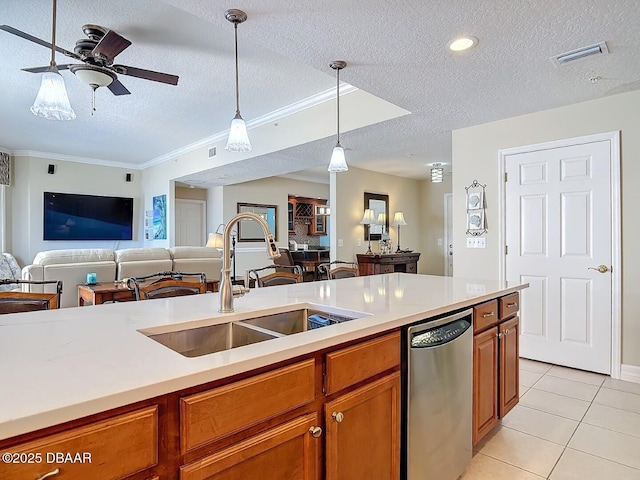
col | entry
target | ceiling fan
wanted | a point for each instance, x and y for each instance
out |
(97, 52)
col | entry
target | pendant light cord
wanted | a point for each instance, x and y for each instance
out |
(235, 28)
(338, 101)
(53, 36)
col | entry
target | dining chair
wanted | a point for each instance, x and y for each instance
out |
(286, 260)
(17, 301)
(168, 284)
(282, 275)
(337, 269)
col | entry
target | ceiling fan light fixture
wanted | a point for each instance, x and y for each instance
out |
(238, 140)
(52, 101)
(93, 75)
(338, 162)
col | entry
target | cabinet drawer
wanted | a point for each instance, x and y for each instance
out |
(485, 315)
(353, 364)
(509, 305)
(221, 411)
(412, 267)
(386, 269)
(108, 450)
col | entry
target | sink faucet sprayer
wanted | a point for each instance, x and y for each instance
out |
(228, 291)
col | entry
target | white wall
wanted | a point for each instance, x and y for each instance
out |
(475, 156)
(26, 195)
(432, 225)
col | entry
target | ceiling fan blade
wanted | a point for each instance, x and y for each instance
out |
(118, 88)
(147, 74)
(111, 45)
(44, 69)
(37, 40)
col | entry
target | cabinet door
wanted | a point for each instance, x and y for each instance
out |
(291, 209)
(363, 432)
(289, 451)
(485, 383)
(509, 368)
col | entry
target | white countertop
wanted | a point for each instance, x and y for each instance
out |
(65, 364)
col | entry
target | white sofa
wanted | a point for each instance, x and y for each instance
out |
(72, 265)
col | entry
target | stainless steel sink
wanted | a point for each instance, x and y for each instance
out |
(195, 342)
(198, 341)
(296, 321)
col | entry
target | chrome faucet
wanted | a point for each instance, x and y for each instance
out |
(228, 291)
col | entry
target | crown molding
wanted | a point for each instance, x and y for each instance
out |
(71, 158)
(270, 117)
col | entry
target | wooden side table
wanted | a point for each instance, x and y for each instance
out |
(377, 264)
(115, 292)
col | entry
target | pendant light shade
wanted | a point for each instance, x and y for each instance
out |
(238, 140)
(52, 101)
(338, 161)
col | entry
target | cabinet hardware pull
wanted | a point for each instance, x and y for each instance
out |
(511, 305)
(338, 416)
(315, 431)
(52, 473)
(490, 314)
(499, 335)
(506, 331)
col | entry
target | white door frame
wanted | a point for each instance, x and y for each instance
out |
(616, 238)
(447, 239)
(204, 215)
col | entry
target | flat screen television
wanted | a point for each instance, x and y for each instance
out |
(70, 216)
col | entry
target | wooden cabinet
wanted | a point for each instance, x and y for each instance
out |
(291, 451)
(291, 215)
(495, 362)
(363, 432)
(107, 450)
(377, 264)
(304, 210)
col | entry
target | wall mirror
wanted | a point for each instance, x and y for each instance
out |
(379, 203)
(250, 230)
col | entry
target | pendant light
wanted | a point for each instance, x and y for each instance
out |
(52, 101)
(238, 140)
(338, 163)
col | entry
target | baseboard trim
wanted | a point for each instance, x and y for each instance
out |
(630, 373)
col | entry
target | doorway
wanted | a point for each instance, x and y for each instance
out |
(448, 234)
(560, 212)
(190, 222)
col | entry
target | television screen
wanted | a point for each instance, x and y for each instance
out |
(69, 216)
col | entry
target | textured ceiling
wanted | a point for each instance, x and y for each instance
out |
(395, 51)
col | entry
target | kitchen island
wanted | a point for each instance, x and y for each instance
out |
(80, 372)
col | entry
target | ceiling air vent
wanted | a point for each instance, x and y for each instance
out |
(595, 49)
(213, 151)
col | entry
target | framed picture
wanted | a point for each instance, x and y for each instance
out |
(160, 217)
(475, 200)
(475, 220)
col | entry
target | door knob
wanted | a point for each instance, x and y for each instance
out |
(338, 416)
(601, 268)
(315, 431)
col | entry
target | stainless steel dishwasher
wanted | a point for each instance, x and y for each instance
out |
(439, 388)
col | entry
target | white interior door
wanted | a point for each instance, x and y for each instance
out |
(558, 229)
(190, 223)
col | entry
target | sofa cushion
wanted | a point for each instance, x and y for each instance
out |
(140, 262)
(9, 268)
(205, 260)
(74, 255)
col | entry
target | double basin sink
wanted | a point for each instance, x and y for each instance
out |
(203, 340)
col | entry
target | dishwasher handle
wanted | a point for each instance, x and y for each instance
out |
(438, 332)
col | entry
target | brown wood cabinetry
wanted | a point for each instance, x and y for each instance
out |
(495, 362)
(304, 209)
(363, 432)
(377, 264)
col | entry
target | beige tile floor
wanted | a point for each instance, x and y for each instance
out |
(569, 425)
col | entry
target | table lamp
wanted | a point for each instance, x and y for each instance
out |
(398, 220)
(369, 218)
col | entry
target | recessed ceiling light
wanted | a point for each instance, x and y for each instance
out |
(463, 43)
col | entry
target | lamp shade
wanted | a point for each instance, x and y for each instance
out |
(52, 101)
(238, 137)
(338, 162)
(214, 240)
(398, 219)
(368, 218)
(382, 218)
